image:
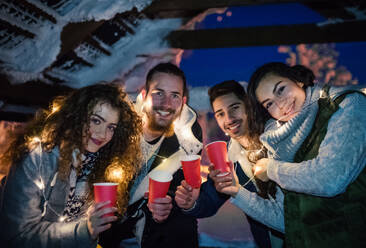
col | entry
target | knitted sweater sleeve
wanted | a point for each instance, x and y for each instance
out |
(267, 211)
(341, 157)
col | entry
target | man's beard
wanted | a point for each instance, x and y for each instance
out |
(153, 125)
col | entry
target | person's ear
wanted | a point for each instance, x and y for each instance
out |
(184, 100)
(300, 84)
(143, 94)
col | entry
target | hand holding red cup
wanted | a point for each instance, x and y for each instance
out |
(159, 182)
(217, 153)
(106, 192)
(191, 165)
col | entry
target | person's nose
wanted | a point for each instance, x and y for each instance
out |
(101, 132)
(166, 101)
(280, 102)
(229, 117)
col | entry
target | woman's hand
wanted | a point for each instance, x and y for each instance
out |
(228, 184)
(260, 169)
(96, 222)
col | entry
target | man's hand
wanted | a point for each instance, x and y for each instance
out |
(161, 208)
(260, 169)
(186, 196)
(228, 184)
(96, 222)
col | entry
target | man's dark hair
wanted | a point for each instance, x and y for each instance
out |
(225, 88)
(168, 68)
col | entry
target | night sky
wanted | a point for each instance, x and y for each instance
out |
(205, 67)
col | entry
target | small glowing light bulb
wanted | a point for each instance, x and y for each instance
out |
(61, 219)
(256, 169)
(117, 173)
(39, 184)
(114, 173)
(35, 139)
(321, 93)
(55, 108)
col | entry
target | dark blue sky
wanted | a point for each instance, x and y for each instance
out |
(210, 66)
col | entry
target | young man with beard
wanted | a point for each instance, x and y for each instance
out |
(229, 102)
(170, 129)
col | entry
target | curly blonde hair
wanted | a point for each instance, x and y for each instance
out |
(62, 126)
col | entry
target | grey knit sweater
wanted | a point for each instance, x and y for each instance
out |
(342, 156)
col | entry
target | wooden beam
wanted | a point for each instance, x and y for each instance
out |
(334, 9)
(268, 35)
(35, 9)
(96, 44)
(179, 5)
(15, 29)
(75, 33)
(13, 116)
(32, 94)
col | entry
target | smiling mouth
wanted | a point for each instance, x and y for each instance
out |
(97, 142)
(163, 113)
(233, 127)
(290, 109)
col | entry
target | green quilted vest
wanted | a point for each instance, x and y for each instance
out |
(312, 221)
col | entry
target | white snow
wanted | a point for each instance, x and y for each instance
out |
(131, 56)
(32, 56)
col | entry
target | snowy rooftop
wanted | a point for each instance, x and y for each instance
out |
(49, 46)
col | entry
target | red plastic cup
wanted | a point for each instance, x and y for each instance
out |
(192, 170)
(159, 182)
(106, 192)
(217, 153)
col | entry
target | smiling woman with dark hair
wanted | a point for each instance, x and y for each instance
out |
(316, 138)
(47, 195)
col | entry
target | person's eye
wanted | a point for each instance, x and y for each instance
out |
(268, 105)
(95, 121)
(159, 93)
(112, 128)
(280, 90)
(176, 96)
(219, 115)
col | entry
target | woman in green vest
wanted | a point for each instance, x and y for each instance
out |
(316, 138)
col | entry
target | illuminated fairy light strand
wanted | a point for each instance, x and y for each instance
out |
(249, 180)
(40, 183)
(256, 169)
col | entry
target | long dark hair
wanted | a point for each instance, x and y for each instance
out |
(62, 126)
(258, 117)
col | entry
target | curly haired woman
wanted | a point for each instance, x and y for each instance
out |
(47, 199)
